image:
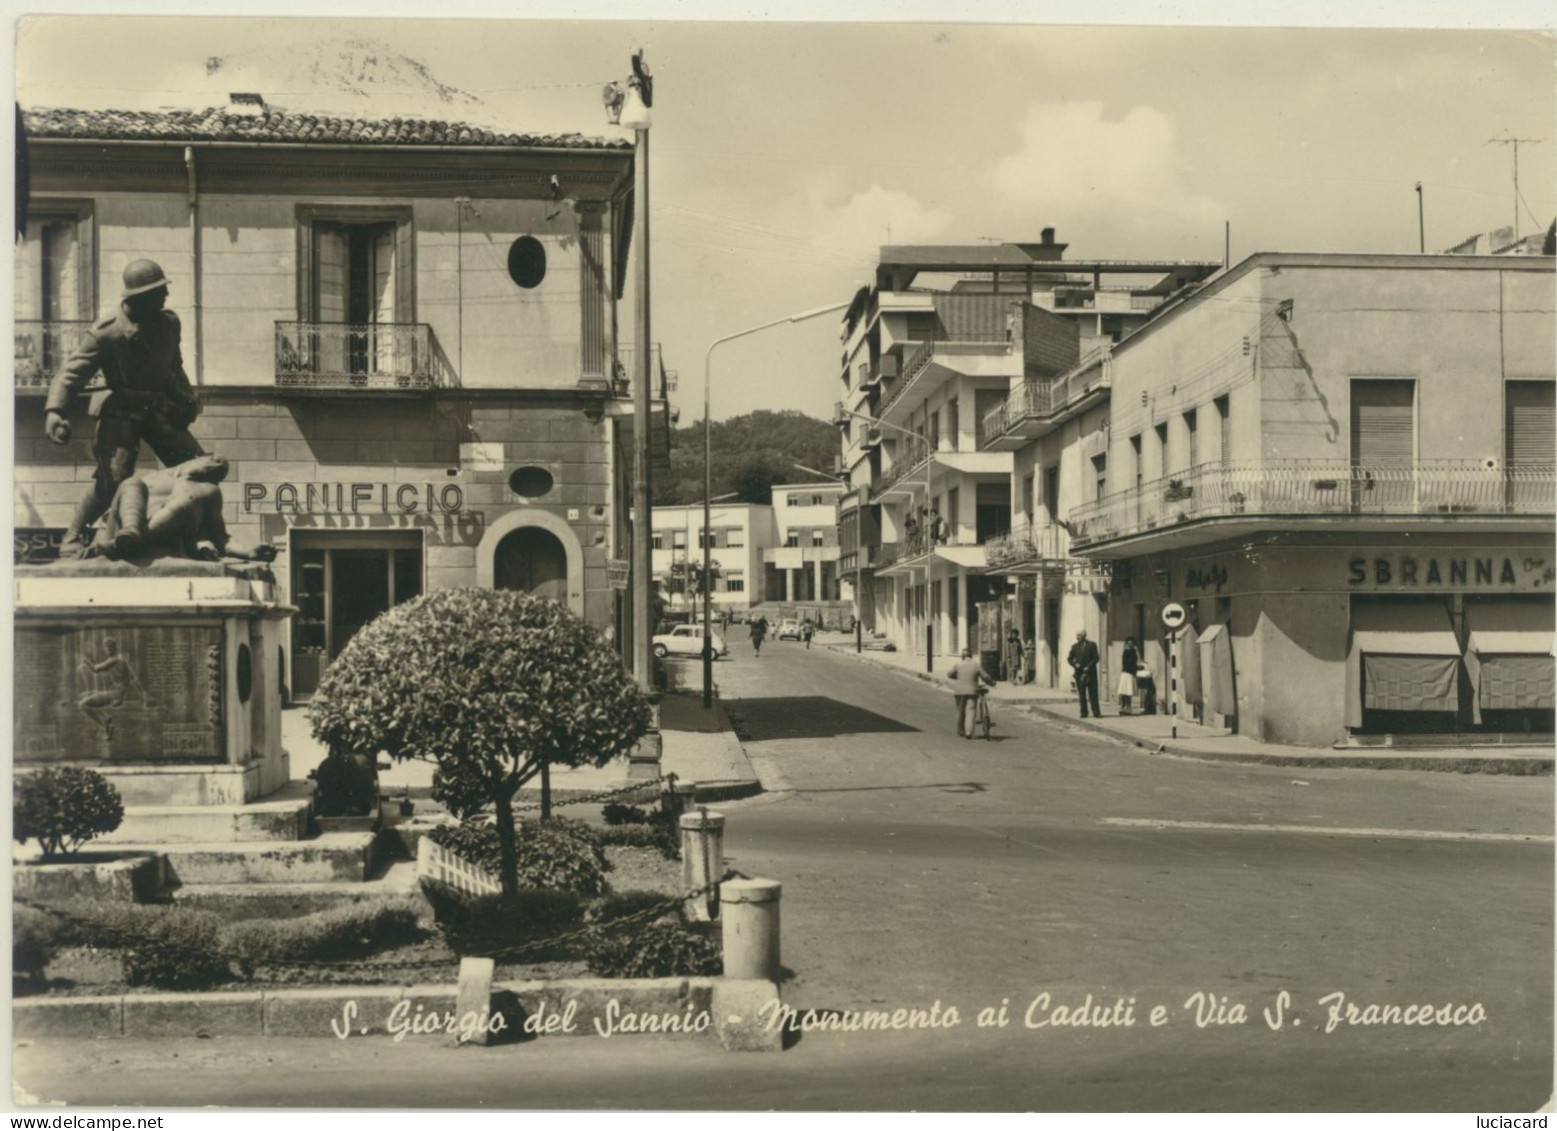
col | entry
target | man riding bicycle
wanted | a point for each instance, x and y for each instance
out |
(968, 681)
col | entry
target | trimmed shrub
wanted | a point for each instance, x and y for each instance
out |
(488, 685)
(615, 813)
(34, 939)
(620, 904)
(559, 854)
(174, 949)
(348, 931)
(486, 924)
(63, 807)
(660, 950)
(644, 836)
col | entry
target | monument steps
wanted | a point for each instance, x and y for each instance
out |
(330, 858)
(283, 816)
(396, 878)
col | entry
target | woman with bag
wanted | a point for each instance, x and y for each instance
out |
(1129, 664)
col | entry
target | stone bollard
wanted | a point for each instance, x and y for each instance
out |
(683, 797)
(702, 861)
(749, 911)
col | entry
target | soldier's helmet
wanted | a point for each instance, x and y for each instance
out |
(141, 276)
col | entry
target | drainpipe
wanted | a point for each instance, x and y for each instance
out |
(194, 261)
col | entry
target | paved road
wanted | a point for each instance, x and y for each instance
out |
(920, 868)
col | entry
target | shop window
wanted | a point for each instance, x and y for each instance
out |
(339, 584)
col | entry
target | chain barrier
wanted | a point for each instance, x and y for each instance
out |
(127, 938)
(602, 795)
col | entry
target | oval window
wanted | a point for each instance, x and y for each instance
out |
(527, 262)
(245, 673)
(531, 482)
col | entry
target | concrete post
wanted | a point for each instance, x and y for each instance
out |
(473, 999)
(749, 910)
(702, 861)
(683, 797)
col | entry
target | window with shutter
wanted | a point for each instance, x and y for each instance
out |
(1383, 422)
(1224, 418)
(1530, 433)
(1383, 437)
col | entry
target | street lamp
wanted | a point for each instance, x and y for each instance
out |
(708, 481)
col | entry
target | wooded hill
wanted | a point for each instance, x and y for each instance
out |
(749, 455)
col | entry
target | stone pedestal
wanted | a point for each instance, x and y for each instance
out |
(166, 678)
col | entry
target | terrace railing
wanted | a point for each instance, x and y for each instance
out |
(41, 347)
(1317, 488)
(341, 355)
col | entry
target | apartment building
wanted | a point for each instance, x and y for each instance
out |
(403, 334)
(935, 352)
(802, 563)
(740, 536)
(1342, 465)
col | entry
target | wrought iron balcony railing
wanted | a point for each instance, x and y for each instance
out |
(1022, 545)
(1035, 400)
(41, 347)
(910, 457)
(1430, 488)
(341, 355)
(661, 382)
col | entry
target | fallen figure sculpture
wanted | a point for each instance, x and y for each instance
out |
(175, 512)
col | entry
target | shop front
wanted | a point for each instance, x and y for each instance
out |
(1328, 641)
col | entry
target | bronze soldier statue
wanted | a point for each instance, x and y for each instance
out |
(146, 394)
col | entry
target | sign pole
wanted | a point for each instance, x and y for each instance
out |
(1173, 681)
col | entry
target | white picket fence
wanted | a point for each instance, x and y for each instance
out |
(437, 863)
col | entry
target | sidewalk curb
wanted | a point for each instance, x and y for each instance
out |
(1512, 767)
(1422, 762)
(322, 1011)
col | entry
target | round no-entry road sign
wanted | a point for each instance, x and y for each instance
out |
(1173, 615)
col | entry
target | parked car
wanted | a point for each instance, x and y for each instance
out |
(687, 640)
(788, 630)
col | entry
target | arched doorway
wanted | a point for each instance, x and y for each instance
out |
(534, 561)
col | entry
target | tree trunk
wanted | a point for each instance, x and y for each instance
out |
(508, 852)
(545, 791)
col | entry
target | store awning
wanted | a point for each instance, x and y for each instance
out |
(1404, 656)
(1509, 658)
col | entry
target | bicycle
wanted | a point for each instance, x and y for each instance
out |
(981, 720)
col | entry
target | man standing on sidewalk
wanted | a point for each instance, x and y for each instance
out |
(1083, 661)
(147, 396)
(966, 677)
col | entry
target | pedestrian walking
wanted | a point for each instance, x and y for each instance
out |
(1129, 664)
(806, 631)
(1083, 660)
(146, 396)
(759, 631)
(1014, 655)
(967, 676)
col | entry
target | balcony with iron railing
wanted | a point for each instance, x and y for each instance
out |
(1023, 546)
(1462, 490)
(1035, 407)
(376, 357)
(41, 348)
(911, 457)
(661, 382)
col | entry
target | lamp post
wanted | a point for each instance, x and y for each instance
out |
(627, 104)
(708, 479)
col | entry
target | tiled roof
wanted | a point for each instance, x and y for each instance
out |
(272, 125)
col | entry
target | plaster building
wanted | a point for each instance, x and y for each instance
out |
(934, 351)
(1342, 465)
(403, 334)
(742, 536)
(802, 563)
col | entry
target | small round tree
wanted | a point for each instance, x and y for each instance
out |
(63, 807)
(488, 685)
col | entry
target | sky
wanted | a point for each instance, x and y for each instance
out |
(784, 154)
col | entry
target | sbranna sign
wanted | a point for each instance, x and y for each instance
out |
(353, 498)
